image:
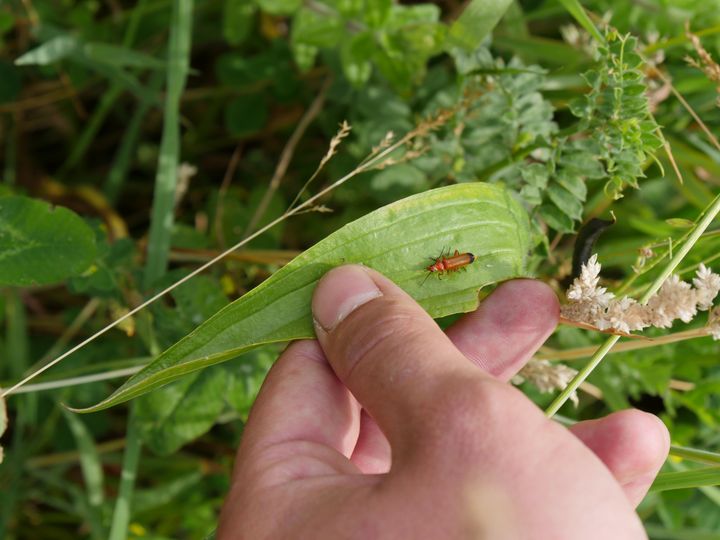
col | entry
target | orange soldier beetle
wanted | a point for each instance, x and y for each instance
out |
(444, 265)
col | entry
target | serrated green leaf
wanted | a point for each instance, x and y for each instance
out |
(565, 201)
(556, 219)
(395, 240)
(476, 22)
(41, 244)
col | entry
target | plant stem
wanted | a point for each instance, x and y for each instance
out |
(586, 352)
(178, 63)
(705, 219)
(131, 458)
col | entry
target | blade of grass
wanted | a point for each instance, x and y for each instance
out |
(123, 157)
(695, 454)
(705, 219)
(178, 65)
(91, 128)
(131, 458)
(580, 15)
(707, 476)
(106, 104)
(92, 473)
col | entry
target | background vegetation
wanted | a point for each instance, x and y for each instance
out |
(166, 131)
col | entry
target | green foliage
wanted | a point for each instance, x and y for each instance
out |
(82, 91)
(616, 112)
(40, 244)
(475, 217)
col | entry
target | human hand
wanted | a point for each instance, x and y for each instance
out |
(471, 456)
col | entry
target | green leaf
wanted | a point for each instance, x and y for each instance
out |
(355, 54)
(680, 223)
(395, 240)
(41, 244)
(375, 12)
(115, 55)
(149, 499)
(182, 411)
(49, 52)
(708, 476)
(318, 30)
(476, 22)
(238, 18)
(566, 202)
(556, 219)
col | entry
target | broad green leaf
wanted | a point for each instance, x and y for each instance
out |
(709, 476)
(41, 244)
(181, 412)
(396, 240)
(476, 22)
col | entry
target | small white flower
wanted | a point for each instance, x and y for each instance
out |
(713, 325)
(707, 284)
(547, 376)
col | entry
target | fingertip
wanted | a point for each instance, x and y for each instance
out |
(529, 304)
(632, 444)
(508, 327)
(340, 292)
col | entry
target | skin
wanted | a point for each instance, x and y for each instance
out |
(388, 427)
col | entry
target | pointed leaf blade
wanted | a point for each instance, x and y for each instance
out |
(396, 240)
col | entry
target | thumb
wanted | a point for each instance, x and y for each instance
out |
(386, 349)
